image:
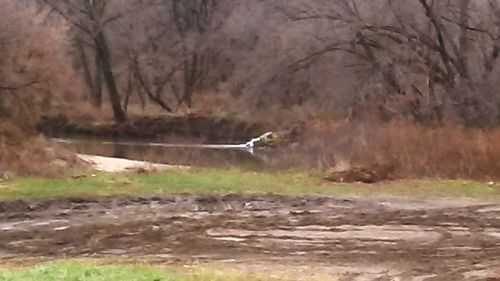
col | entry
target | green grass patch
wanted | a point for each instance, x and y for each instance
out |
(235, 181)
(74, 271)
(88, 271)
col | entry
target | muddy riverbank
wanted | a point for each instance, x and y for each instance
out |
(346, 237)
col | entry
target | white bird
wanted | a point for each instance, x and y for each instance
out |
(251, 144)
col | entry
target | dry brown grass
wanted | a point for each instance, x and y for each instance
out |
(23, 153)
(412, 150)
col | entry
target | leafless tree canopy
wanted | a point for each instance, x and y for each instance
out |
(427, 60)
(421, 58)
(29, 62)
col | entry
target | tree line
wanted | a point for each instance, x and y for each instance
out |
(426, 60)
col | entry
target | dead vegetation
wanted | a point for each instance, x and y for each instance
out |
(352, 174)
(369, 152)
(25, 154)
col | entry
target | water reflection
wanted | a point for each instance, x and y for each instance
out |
(193, 155)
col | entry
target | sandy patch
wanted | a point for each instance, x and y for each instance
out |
(120, 165)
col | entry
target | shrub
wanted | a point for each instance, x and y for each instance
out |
(411, 149)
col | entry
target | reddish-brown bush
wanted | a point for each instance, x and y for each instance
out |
(23, 153)
(410, 149)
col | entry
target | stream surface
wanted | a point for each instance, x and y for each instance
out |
(204, 155)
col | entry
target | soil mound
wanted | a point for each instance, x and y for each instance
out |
(369, 174)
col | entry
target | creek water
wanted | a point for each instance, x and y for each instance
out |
(203, 155)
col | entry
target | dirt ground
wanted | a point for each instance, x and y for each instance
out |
(328, 237)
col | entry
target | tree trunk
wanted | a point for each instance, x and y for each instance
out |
(98, 81)
(463, 46)
(94, 87)
(107, 71)
(154, 97)
(195, 70)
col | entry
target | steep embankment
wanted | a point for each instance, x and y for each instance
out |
(209, 129)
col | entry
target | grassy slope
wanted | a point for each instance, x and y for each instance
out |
(87, 271)
(235, 181)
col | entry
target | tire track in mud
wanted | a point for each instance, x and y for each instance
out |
(404, 238)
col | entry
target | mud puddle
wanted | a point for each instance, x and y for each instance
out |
(341, 238)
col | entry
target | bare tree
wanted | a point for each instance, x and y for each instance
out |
(423, 52)
(173, 56)
(193, 18)
(30, 63)
(90, 18)
(93, 79)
